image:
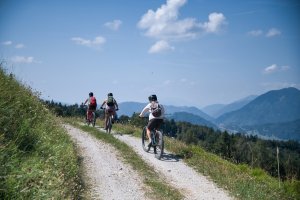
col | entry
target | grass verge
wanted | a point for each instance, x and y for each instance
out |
(38, 160)
(159, 188)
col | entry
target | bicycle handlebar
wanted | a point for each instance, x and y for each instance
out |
(105, 108)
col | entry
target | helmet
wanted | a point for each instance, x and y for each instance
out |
(152, 97)
(91, 94)
(110, 94)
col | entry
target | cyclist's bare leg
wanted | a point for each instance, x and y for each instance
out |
(106, 119)
(149, 134)
(88, 114)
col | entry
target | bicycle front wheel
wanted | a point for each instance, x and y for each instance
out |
(145, 140)
(160, 145)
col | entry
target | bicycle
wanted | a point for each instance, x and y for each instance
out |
(109, 120)
(157, 142)
(91, 118)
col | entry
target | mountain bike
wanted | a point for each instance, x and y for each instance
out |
(157, 142)
(109, 120)
(91, 118)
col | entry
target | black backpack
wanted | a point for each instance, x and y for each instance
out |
(156, 110)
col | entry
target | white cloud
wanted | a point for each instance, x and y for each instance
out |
(23, 59)
(274, 68)
(164, 23)
(19, 46)
(98, 41)
(270, 33)
(114, 25)
(270, 69)
(7, 43)
(160, 46)
(273, 32)
(255, 32)
(215, 22)
(284, 68)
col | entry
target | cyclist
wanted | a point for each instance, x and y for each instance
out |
(111, 106)
(155, 119)
(92, 105)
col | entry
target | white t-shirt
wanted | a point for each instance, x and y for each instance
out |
(148, 109)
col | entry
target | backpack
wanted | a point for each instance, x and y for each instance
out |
(156, 110)
(93, 101)
(110, 101)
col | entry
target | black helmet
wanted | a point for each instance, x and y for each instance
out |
(110, 94)
(152, 97)
(91, 94)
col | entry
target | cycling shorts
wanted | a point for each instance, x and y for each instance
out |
(154, 124)
(92, 107)
(110, 109)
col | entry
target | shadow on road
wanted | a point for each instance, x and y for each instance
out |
(169, 157)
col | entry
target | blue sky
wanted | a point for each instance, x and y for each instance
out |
(188, 52)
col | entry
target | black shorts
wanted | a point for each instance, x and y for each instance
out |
(154, 124)
(92, 107)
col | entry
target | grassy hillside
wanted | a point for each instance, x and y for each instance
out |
(37, 158)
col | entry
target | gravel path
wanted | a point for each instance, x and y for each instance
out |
(191, 184)
(105, 175)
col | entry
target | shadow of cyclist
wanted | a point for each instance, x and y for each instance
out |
(169, 157)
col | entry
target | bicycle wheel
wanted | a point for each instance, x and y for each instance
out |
(160, 145)
(109, 125)
(94, 119)
(145, 140)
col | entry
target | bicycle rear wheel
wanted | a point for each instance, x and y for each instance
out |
(108, 125)
(160, 145)
(145, 140)
(94, 119)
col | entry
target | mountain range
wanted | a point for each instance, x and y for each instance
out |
(216, 110)
(274, 114)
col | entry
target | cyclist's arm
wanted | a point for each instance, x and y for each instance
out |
(104, 102)
(146, 109)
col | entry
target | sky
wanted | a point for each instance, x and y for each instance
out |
(187, 52)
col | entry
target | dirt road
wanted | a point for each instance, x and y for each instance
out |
(105, 175)
(108, 177)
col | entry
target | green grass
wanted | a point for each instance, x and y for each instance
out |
(38, 160)
(159, 188)
(240, 180)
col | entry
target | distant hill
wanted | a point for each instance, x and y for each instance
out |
(272, 107)
(265, 111)
(216, 110)
(284, 131)
(194, 119)
(128, 108)
(213, 110)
